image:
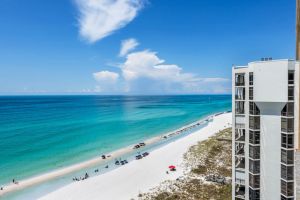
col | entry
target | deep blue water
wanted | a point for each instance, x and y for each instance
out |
(42, 133)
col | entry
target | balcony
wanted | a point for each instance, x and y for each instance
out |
(239, 107)
(240, 135)
(287, 125)
(240, 93)
(287, 188)
(239, 79)
(239, 191)
(287, 172)
(254, 181)
(239, 149)
(254, 152)
(254, 166)
(254, 122)
(253, 109)
(254, 137)
(287, 156)
(288, 110)
(287, 141)
(254, 194)
(239, 163)
(291, 93)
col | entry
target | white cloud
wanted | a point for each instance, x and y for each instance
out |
(145, 73)
(100, 18)
(127, 46)
(106, 76)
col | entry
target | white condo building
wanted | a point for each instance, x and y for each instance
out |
(265, 130)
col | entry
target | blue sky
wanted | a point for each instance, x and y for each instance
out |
(169, 47)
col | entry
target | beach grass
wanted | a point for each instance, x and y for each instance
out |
(207, 158)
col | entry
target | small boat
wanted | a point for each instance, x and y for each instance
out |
(136, 146)
(117, 163)
(138, 157)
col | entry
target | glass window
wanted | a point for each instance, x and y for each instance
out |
(250, 93)
(287, 156)
(287, 141)
(254, 122)
(288, 110)
(240, 107)
(254, 152)
(291, 93)
(239, 162)
(254, 194)
(251, 78)
(240, 93)
(239, 149)
(287, 172)
(287, 188)
(291, 77)
(287, 125)
(254, 166)
(239, 79)
(240, 135)
(254, 181)
(253, 109)
(254, 137)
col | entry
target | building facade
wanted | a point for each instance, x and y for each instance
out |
(265, 130)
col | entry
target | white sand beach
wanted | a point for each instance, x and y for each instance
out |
(139, 176)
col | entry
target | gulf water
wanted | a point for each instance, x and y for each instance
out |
(39, 134)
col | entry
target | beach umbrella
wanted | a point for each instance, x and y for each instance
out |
(172, 167)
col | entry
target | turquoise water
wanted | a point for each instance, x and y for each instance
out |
(42, 133)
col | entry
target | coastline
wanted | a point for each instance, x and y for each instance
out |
(23, 184)
(139, 176)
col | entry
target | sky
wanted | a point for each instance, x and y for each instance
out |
(137, 46)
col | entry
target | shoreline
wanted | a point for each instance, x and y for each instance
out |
(26, 183)
(140, 176)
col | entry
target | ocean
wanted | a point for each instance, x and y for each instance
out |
(39, 134)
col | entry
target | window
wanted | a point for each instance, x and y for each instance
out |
(287, 156)
(291, 77)
(254, 181)
(254, 194)
(240, 107)
(250, 93)
(251, 78)
(254, 122)
(254, 166)
(287, 141)
(254, 137)
(253, 109)
(287, 188)
(287, 172)
(288, 110)
(240, 79)
(291, 93)
(239, 149)
(287, 125)
(239, 162)
(254, 152)
(240, 93)
(240, 135)
(240, 190)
